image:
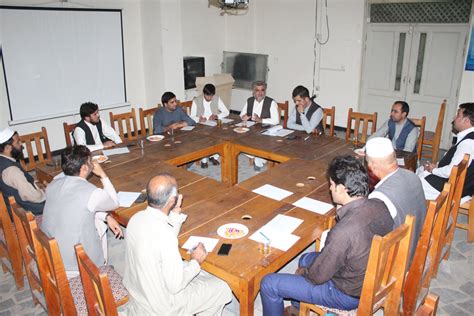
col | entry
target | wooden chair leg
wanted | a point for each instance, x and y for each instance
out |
(251, 161)
(304, 310)
(429, 306)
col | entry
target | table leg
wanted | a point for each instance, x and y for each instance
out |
(246, 298)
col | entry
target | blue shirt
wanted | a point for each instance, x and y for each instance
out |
(164, 118)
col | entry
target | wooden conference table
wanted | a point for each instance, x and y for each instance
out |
(210, 204)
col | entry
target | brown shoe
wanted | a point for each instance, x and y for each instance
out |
(291, 311)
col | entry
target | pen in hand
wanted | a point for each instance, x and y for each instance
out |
(306, 138)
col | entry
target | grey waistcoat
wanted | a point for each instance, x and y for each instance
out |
(67, 219)
(405, 191)
(200, 106)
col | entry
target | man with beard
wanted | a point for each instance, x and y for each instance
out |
(14, 181)
(93, 132)
(435, 175)
(261, 109)
(399, 129)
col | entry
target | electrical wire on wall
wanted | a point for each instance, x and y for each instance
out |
(317, 40)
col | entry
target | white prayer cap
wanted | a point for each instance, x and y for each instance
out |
(5, 135)
(379, 147)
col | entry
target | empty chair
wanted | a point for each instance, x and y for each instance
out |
(68, 131)
(9, 247)
(130, 121)
(359, 118)
(146, 121)
(467, 209)
(420, 123)
(36, 140)
(385, 275)
(97, 287)
(431, 139)
(331, 114)
(283, 111)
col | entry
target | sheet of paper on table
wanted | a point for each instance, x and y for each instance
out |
(277, 130)
(226, 120)
(272, 192)
(187, 128)
(126, 199)
(313, 205)
(279, 231)
(209, 243)
(209, 123)
(401, 161)
(115, 151)
(249, 124)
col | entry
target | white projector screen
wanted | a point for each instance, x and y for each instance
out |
(55, 59)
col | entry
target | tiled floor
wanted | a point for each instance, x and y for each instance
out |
(455, 282)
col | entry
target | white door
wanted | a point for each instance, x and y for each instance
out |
(421, 64)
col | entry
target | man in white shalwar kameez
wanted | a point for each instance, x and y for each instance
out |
(159, 282)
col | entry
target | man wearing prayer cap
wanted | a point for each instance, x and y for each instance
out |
(14, 181)
(400, 189)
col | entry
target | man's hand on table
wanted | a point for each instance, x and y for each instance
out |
(246, 117)
(199, 253)
(257, 118)
(108, 144)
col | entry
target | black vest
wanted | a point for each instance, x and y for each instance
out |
(35, 208)
(267, 102)
(311, 109)
(438, 182)
(89, 138)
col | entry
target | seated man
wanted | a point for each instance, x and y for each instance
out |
(92, 131)
(307, 115)
(399, 129)
(434, 176)
(75, 209)
(170, 116)
(400, 189)
(14, 181)
(208, 107)
(260, 109)
(334, 276)
(158, 280)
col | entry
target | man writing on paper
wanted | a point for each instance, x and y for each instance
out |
(334, 276)
(399, 129)
(92, 131)
(208, 107)
(76, 210)
(158, 280)
(14, 181)
(307, 115)
(260, 109)
(170, 116)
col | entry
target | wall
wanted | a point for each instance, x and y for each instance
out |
(466, 90)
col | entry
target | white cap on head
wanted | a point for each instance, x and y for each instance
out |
(6, 134)
(379, 147)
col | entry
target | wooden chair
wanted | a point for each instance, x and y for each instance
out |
(186, 105)
(146, 119)
(36, 140)
(456, 180)
(383, 281)
(97, 289)
(331, 113)
(68, 130)
(359, 117)
(25, 222)
(10, 252)
(431, 139)
(420, 123)
(283, 111)
(468, 210)
(131, 134)
(420, 273)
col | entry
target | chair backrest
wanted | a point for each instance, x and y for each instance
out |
(9, 247)
(25, 222)
(56, 287)
(359, 117)
(186, 105)
(146, 120)
(385, 275)
(420, 123)
(129, 118)
(436, 137)
(36, 140)
(97, 290)
(420, 272)
(331, 113)
(283, 111)
(68, 130)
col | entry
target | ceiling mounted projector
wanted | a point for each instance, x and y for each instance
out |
(234, 4)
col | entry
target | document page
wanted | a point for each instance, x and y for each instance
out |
(126, 199)
(209, 243)
(279, 232)
(313, 205)
(272, 192)
(115, 151)
(187, 128)
(209, 123)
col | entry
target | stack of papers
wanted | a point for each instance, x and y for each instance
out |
(115, 151)
(209, 243)
(209, 123)
(314, 205)
(279, 231)
(249, 124)
(277, 130)
(126, 199)
(272, 192)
